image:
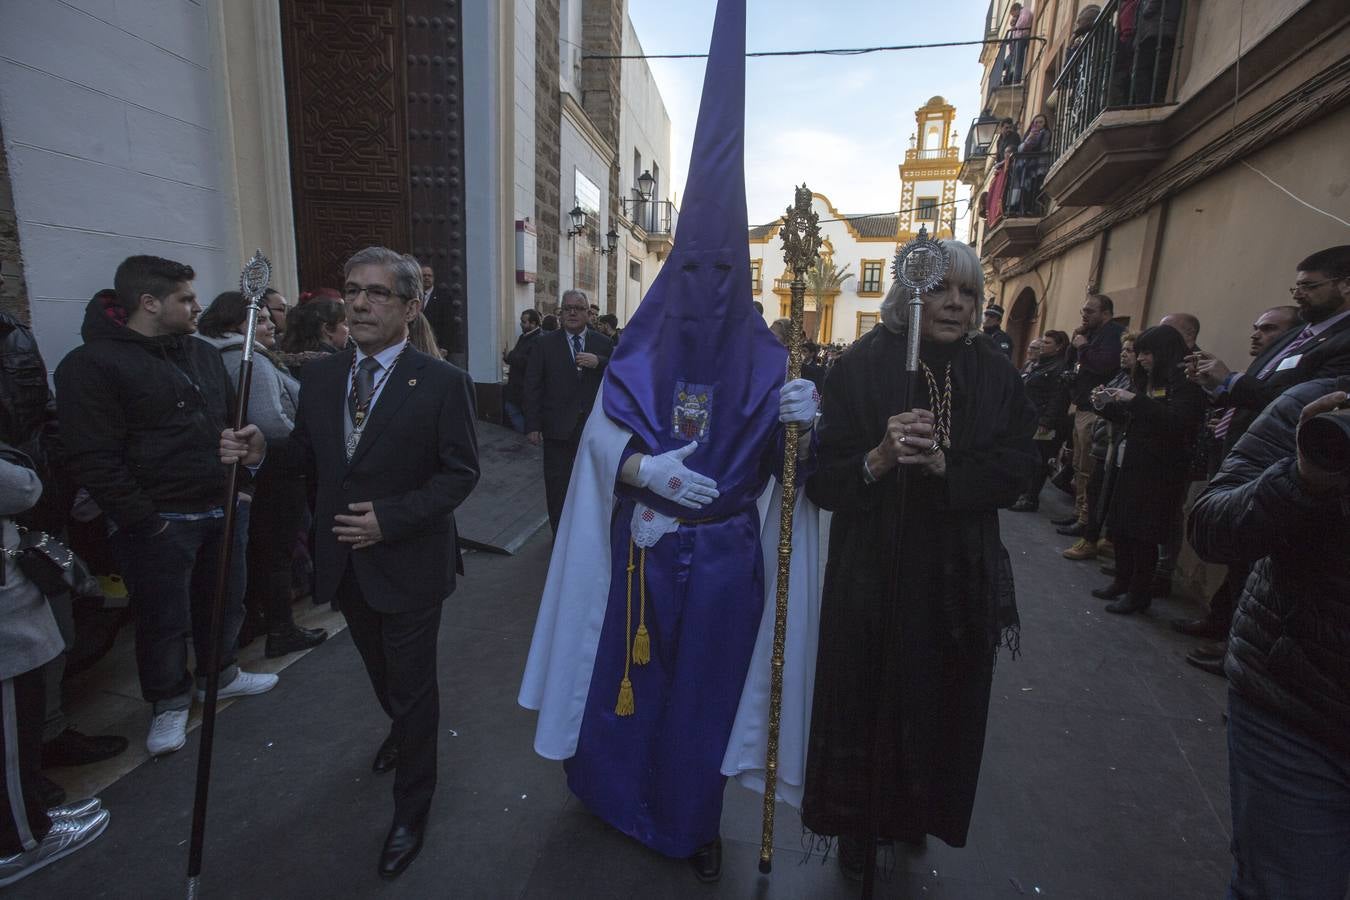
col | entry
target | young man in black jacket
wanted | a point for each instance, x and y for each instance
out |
(1288, 663)
(1093, 361)
(142, 407)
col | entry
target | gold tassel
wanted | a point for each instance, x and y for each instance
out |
(625, 705)
(642, 642)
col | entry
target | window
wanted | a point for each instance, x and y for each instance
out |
(634, 270)
(756, 279)
(927, 209)
(869, 285)
(866, 322)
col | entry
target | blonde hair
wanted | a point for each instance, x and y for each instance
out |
(422, 337)
(963, 270)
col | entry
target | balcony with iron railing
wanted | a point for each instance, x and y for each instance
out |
(1006, 90)
(1015, 205)
(656, 218)
(974, 160)
(1108, 100)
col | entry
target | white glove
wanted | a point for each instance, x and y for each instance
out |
(798, 401)
(666, 476)
(649, 526)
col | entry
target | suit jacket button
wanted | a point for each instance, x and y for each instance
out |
(346, 483)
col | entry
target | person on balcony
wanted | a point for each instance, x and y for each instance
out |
(1019, 34)
(1030, 164)
(1155, 41)
(998, 189)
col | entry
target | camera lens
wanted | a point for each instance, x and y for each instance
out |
(1324, 441)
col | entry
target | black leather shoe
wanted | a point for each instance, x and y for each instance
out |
(400, 849)
(1206, 663)
(1130, 604)
(386, 758)
(1077, 529)
(707, 861)
(71, 748)
(1199, 628)
(1112, 591)
(293, 639)
(1024, 504)
(1071, 520)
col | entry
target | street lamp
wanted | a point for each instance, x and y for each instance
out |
(611, 243)
(578, 219)
(646, 185)
(984, 128)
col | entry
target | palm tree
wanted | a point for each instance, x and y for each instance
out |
(822, 279)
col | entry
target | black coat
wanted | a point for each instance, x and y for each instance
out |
(417, 461)
(141, 419)
(1159, 434)
(1325, 356)
(559, 394)
(1096, 363)
(1047, 391)
(922, 674)
(518, 358)
(1289, 648)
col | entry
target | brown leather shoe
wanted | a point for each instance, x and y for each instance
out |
(1083, 549)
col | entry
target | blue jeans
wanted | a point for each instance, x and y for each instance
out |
(1291, 810)
(172, 577)
(515, 415)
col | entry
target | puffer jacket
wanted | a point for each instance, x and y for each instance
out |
(141, 418)
(1289, 648)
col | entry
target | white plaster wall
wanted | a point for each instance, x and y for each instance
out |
(523, 152)
(644, 126)
(111, 127)
(578, 152)
(484, 232)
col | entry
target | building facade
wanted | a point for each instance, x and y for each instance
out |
(463, 133)
(1196, 155)
(863, 245)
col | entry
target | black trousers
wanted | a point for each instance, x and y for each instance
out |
(1134, 565)
(278, 510)
(399, 650)
(558, 458)
(22, 701)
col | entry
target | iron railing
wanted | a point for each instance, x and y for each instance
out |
(652, 216)
(1022, 197)
(974, 150)
(932, 153)
(1120, 63)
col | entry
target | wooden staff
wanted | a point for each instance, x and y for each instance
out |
(801, 241)
(253, 285)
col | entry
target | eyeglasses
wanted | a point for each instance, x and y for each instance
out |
(575, 309)
(1302, 287)
(377, 294)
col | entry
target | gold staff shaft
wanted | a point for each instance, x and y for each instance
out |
(801, 241)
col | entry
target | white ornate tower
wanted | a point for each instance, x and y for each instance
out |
(928, 174)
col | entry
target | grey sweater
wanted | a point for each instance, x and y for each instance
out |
(29, 636)
(273, 394)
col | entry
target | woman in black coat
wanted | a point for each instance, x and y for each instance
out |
(904, 667)
(1161, 418)
(1047, 391)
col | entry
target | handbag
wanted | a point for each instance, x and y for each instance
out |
(47, 562)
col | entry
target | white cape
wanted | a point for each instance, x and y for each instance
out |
(558, 671)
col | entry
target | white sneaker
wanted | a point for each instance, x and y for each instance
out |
(67, 836)
(76, 808)
(168, 732)
(244, 685)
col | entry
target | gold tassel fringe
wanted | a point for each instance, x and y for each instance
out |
(625, 705)
(642, 642)
(642, 647)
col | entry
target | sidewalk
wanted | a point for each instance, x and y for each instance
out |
(1105, 775)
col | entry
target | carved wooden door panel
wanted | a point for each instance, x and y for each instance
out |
(374, 104)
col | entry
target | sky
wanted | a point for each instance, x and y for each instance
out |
(839, 124)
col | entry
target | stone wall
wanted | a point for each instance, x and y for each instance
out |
(602, 35)
(14, 295)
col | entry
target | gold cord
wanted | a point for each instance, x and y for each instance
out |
(624, 707)
(941, 402)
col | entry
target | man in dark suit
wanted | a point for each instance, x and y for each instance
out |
(518, 358)
(561, 380)
(385, 434)
(1319, 349)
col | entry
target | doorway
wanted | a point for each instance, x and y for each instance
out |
(1021, 325)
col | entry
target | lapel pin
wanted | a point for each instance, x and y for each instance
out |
(412, 382)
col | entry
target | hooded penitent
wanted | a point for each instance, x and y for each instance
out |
(640, 656)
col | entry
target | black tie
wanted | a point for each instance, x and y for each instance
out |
(365, 386)
(576, 345)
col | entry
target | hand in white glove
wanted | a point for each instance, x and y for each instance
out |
(798, 401)
(666, 476)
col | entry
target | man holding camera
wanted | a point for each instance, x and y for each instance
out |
(1095, 359)
(1280, 500)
